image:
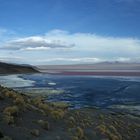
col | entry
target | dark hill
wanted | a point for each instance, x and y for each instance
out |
(6, 68)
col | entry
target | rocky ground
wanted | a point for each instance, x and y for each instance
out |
(27, 118)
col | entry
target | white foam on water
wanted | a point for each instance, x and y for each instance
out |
(13, 81)
(52, 83)
(42, 91)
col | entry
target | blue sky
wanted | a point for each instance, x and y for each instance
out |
(69, 31)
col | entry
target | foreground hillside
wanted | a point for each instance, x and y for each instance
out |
(26, 118)
(6, 68)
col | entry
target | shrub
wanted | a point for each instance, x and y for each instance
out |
(36, 101)
(35, 132)
(102, 128)
(74, 138)
(11, 111)
(71, 121)
(10, 94)
(61, 105)
(9, 119)
(19, 101)
(79, 132)
(101, 117)
(114, 135)
(44, 107)
(57, 114)
(44, 124)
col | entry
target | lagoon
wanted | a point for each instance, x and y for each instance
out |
(79, 91)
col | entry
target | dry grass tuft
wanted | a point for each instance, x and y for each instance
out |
(11, 111)
(44, 124)
(36, 101)
(57, 114)
(79, 132)
(74, 138)
(111, 132)
(71, 122)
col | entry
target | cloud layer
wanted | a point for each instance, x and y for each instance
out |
(35, 43)
(62, 46)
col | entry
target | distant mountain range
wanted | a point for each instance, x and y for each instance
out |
(97, 66)
(104, 68)
(6, 68)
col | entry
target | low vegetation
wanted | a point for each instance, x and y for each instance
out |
(44, 124)
(35, 132)
(23, 117)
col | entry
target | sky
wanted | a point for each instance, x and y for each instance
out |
(43, 32)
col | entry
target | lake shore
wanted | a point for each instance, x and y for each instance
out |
(24, 117)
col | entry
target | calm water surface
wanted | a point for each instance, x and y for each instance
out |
(79, 91)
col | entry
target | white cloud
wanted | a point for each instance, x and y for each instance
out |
(76, 60)
(35, 43)
(123, 59)
(41, 48)
(79, 60)
(11, 59)
(63, 39)
(59, 45)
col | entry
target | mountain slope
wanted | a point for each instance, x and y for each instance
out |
(6, 68)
